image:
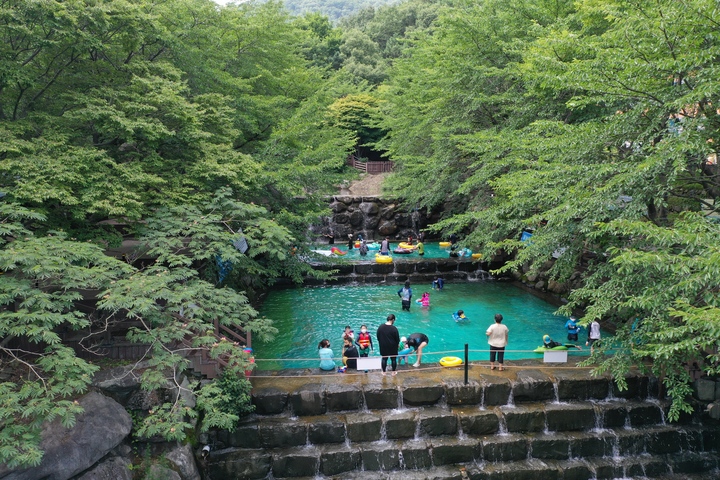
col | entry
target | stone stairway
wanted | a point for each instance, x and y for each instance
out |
(530, 424)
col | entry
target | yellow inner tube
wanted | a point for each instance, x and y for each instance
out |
(383, 258)
(444, 244)
(450, 361)
(477, 255)
(406, 246)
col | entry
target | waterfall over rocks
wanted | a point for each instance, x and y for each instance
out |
(561, 425)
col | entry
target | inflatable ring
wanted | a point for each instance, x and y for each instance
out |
(542, 349)
(444, 244)
(357, 244)
(406, 246)
(337, 251)
(383, 258)
(450, 361)
(477, 255)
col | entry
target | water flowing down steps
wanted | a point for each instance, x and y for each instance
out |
(534, 423)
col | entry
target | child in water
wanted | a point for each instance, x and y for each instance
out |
(459, 315)
(424, 300)
(349, 333)
(364, 341)
(403, 351)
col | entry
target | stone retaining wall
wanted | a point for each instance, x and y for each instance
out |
(415, 270)
(532, 424)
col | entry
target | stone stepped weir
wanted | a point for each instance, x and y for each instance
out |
(560, 425)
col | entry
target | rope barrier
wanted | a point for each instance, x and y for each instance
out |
(444, 352)
(403, 372)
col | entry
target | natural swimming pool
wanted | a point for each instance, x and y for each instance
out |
(432, 250)
(304, 316)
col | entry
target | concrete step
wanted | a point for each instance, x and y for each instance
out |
(593, 417)
(412, 464)
(336, 453)
(362, 392)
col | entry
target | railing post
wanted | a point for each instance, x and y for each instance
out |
(466, 364)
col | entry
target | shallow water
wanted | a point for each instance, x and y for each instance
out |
(432, 250)
(304, 316)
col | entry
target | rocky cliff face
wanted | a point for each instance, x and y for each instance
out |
(373, 217)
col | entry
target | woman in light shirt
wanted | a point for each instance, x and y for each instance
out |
(497, 338)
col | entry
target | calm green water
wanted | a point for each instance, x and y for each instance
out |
(304, 316)
(432, 250)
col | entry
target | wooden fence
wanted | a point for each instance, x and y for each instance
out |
(370, 166)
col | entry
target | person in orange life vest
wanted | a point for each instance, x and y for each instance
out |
(364, 342)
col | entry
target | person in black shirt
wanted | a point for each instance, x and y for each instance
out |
(388, 340)
(418, 341)
(350, 354)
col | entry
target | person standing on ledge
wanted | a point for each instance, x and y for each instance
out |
(497, 339)
(418, 341)
(388, 339)
(405, 294)
(593, 335)
(385, 246)
(573, 328)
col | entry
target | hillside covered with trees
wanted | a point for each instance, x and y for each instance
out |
(334, 9)
(197, 128)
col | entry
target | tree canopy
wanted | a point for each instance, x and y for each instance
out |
(196, 128)
(594, 125)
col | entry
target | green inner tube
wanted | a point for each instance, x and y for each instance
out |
(542, 349)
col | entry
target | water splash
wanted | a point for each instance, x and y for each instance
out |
(511, 399)
(502, 424)
(599, 417)
(401, 401)
(659, 405)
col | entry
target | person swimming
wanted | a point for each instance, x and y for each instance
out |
(459, 316)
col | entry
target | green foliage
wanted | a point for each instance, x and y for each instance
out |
(43, 277)
(225, 400)
(589, 123)
(333, 9)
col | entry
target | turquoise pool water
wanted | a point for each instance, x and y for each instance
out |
(304, 316)
(432, 250)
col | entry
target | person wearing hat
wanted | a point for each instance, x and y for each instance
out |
(572, 328)
(404, 350)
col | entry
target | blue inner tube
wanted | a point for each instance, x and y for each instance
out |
(459, 319)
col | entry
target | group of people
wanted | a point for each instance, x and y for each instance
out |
(573, 332)
(395, 349)
(392, 347)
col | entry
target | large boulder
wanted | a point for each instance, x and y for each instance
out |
(119, 382)
(183, 461)
(114, 468)
(70, 451)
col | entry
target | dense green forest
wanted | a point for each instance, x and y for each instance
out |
(196, 127)
(334, 9)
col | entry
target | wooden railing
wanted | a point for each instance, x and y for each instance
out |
(370, 166)
(233, 335)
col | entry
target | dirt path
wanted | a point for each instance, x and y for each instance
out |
(368, 185)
